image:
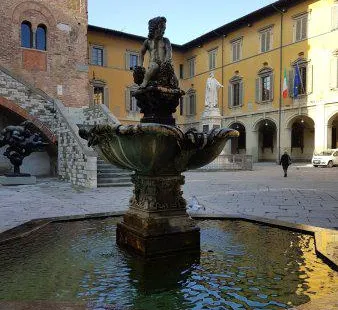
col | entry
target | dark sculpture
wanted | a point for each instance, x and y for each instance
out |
(22, 142)
(158, 94)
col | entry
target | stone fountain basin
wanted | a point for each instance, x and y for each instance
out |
(156, 149)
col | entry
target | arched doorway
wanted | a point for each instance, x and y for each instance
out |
(267, 140)
(302, 138)
(332, 134)
(238, 145)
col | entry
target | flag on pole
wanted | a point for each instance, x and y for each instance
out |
(285, 85)
(296, 82)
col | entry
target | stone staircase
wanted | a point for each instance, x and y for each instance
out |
(109, 175)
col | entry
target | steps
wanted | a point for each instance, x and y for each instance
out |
(109, 175)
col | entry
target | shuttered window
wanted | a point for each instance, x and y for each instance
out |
(264, 87)
(132, 60)
(334, 72)
(212, 59)
(235, 93)
(265, 37)
(300, 27)
(236, 50)
(334, 16)
(97, 56)
(191, 67)
(131, 102)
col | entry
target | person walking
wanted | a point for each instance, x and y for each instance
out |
(285, 161)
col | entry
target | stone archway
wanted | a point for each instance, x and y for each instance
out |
(238, 145)
(332, 132)
(38, 163)
(302, 138)
(267, 140)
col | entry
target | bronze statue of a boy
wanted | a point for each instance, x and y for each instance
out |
(160, 69)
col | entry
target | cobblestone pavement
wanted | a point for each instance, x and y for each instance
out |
(307, 196)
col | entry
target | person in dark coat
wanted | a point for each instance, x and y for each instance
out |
(285, 161)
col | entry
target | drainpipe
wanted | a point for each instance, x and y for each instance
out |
(280, 80)
(222, 113)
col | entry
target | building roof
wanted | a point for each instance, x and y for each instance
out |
(244, 21)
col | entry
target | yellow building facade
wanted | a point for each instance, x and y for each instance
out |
(249, 57)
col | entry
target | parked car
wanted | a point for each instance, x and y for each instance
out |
(327, 158)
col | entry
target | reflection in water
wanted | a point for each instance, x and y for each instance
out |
(241, 266)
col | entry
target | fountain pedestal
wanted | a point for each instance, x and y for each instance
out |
(157, 222)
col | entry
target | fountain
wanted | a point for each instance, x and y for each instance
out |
(158, 151)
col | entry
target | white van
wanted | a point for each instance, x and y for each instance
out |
(327, 158)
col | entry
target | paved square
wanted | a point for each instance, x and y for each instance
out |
(307, 196)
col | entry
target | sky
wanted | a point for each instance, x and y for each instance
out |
(186, 19)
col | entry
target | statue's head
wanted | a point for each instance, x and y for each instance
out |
(211, 74)
(156, 27)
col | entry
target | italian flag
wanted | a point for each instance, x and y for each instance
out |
(285, 85)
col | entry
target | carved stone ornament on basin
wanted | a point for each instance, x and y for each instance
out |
(156, 222)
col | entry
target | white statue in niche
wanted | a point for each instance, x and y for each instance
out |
(211, 91)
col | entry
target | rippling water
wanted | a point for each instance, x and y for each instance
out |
(242, 266)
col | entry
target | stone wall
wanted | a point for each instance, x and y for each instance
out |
(99, 114)
(61, 70)
(76, 162)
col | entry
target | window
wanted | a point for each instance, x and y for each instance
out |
(97, 56)
(334, 71)
(191, 67)
(212, 59)
(334, 16)
(181, 106)
(264, 85)
(265, 38)
(26, 34)
(131, 102)
(190, 102)
(40, 37)
(236, 47)
(181, 71)
(235, 92)
(132, 60)
(300, 78)
(300, 27)
(98, 95)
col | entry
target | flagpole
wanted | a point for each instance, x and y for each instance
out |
(281, 11)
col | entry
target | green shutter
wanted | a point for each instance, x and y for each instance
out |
(258, 90)
(230, 95)
(127, 99)
(241, 93)
(127, 61)
(106, 96)
(291, 79)
(309, 79)
(272, 85)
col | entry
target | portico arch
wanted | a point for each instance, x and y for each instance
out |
(301, 138)
(332, 131)
(267, 139)
(238, 145)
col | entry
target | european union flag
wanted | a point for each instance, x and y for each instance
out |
(297, 82)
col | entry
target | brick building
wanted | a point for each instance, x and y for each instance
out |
(45, 43)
